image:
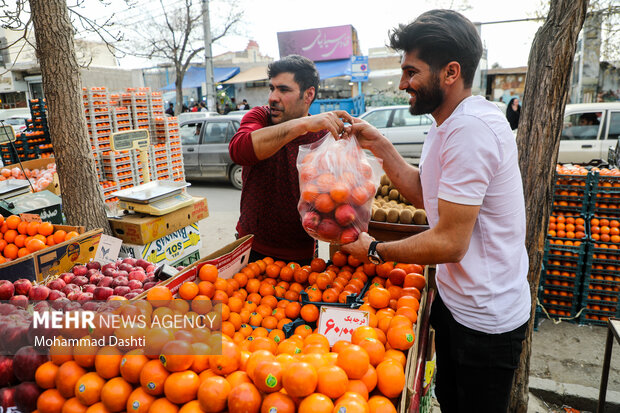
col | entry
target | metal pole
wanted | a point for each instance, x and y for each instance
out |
(210, 85)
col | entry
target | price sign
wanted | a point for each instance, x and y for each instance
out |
(131, 139)
(339, 323)
(7, 134)
(108, 249)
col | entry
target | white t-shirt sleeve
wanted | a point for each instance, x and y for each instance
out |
(470, 155)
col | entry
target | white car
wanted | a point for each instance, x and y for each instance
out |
(589, 130)
(407, 132)
(19, 122)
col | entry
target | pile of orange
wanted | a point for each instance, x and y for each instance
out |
(561, 226)
(19, 238)
(605, 230)
(257, 367)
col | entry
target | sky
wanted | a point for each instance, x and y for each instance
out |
(508, 44)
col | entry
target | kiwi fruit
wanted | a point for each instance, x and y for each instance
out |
(406, 216)
(419, 217)
(411, 208)
(393, 215)
(379, 214)
(394, 194)
(385, 190)
(385, 180)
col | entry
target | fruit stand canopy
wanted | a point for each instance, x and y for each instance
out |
(195, 76)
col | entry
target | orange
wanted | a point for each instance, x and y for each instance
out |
(226, 362)
(88, 388)
(73, 405)
(332, 381)
(362, 333)
(354, 360)
(267, 376)
(163, 405)
(277, 402)
(108, 361)
(244, 398)
(370, 378)
(213, 394)
(300, 379)
(181, 387)
(131, 365)
(177, 355)
(152, 377)
(351, 403)
(20, 240)
(316, 403)
(158, 295)
(400, 337)
(415, 280)
(32, 228)
(358, 386)
(50, 401)
(22, 227)
(188, 290)
(22, 252)
(45, 376)
(45, 229)
(10, 251)
(379, 297)
(374, 348)
(208, 272)
(59, 236)
(115, 393)
(390, 378)
(10, 236)
(309, 313)
(68, 374)
(139, 401)
(58, 354)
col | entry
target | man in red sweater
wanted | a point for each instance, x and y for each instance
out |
(266, 145)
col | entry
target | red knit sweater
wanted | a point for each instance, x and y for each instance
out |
(271, 192)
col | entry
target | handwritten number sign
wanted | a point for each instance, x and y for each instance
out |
(339, 323)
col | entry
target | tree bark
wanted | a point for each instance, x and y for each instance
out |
(546, 92)
(82, 199)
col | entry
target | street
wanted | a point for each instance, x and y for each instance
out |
(218, 230)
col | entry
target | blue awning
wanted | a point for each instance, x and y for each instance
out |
(334, 68)
(195, 76)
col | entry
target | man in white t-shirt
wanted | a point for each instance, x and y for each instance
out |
(470, 185)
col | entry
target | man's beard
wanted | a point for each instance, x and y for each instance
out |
(427, 99)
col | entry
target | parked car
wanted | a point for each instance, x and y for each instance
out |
(9, 113)
(205, 148)
(407, 132)
(19, 122)
(589, 130)
(185, 116)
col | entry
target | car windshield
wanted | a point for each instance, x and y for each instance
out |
(15, 121)
(190, 133)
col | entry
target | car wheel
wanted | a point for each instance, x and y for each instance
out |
(234, 176)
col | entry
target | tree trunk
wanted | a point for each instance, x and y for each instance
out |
(81, 196)
(179, 89)
(547, 89)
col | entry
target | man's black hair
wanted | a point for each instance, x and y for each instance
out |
(439, 37)
(303, 69)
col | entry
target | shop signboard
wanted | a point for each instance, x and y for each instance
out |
(326, 43)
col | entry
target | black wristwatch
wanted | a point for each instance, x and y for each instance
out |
(373, 254)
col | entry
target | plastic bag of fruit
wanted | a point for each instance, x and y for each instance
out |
(338, 181)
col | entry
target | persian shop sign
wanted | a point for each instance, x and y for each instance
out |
(327, 43)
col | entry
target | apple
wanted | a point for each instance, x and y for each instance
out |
(102, 293)
(6, 308)
(134, 284)
(69, 288)
(60, 303)
(39, 292)
(311, 221)
(125, 267)
(57, 284)
(95, 278)
(26, 362)
(6, 371)
(131, 295)
(91, 305)
(73, 295)
(79, 280)
(105, 282)
(73, 305)
(345, 215)
(22, 286)
(111, 265)
(109, 272)
(121, 273)
(79, 270)
(89, 288)
(92, 272)
(7, 289)
(329, 230)
(67, 277)
(397, 276)
(93, 265)
(150, 269)
(55, 295)
(130, 260)
(149, 284)
(19, 300)
(150, 279)
(122, 290)
(15, 337)
(83, 297)
(41, 306)
(119, 281)
(26, 395)
(138, 275)
(349, 235)
(143, 263)
(7, 398)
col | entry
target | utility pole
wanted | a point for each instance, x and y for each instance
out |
(209, 83)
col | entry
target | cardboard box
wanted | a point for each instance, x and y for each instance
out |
(42, 163)
(170, 248)
(141, 229)
(229, 260)
(54, 260)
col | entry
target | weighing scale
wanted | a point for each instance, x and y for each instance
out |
(153, 198)
(16, 199)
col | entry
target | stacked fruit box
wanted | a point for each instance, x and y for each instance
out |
(108, 188)
(98, 120)
(121, 118)
(167, 140)
(137, 102)
(119, 166)
(602, 280)
(32, 143)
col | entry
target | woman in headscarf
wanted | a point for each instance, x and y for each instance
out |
(513, 111)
